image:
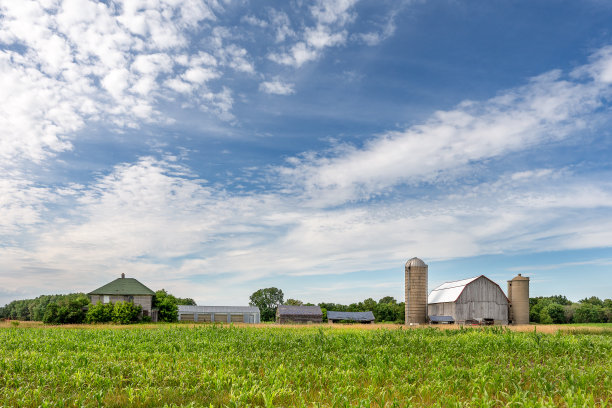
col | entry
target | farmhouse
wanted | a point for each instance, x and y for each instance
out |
(475, 299)
(361, 317)
(126, 290)
(298, 314)
(223, 314)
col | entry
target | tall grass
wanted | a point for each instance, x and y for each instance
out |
(306, 366)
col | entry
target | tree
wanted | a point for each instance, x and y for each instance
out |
(589, 313)
(294, 302)
(594, 300)
(167, 305)
(267, 300)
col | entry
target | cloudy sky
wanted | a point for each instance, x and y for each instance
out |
(216, 147)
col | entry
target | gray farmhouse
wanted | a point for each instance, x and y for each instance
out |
(126, 290)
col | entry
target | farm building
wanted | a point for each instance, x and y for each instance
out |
(474, 299)
(298, 314)
(126, 290)
(361, 317)
(223, 314)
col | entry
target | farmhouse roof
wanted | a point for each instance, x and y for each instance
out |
(356, 316)
(300, 310)
(123, 286)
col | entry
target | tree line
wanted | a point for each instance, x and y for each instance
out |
(558, 309)
(76, 308)
(386, 309)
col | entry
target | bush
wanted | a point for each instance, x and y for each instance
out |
(126, 312)
(100, 313)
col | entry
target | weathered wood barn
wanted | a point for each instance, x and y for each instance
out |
(474, 299)
(126, 290)
(223, 314)
(298, 314)
(361, 317)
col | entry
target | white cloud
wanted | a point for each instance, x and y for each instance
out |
(72, 62)
(276, 87)
(549, 107)
(330, 17)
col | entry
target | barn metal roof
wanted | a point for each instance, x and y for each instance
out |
(449, 291)
(356, 316)
(217, 309)
(123, 286)
(299, 310)
(441, 318)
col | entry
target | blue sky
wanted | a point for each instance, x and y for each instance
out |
(213, 148)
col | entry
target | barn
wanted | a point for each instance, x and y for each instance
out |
(298, 314)
(222, 314)
(126, 290)
(361, 317)
(475, 299)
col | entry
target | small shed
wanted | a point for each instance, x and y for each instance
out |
(126, 290)
(474, 299)
(298, 314)
(218, 314)
(361, 317)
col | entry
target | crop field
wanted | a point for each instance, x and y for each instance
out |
(241, 366)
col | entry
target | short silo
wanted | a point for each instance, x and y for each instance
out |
(416, 291)
(518, 294)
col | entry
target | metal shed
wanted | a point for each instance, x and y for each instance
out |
(362, 317)
(222, 314)
(474, 299)
(299, 314)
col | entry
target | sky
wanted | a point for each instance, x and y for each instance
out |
(213, 148)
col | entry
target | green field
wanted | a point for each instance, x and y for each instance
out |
(179, 365)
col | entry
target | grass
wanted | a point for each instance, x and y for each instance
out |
(203, 365)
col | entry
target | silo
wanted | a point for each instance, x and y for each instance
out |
(416, 291)
(518, 294)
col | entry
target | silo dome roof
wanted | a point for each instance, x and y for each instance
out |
(415, 262)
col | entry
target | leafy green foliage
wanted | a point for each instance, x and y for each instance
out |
(558, 309)
(267, 300)
(168, 305)
(100, 313)
(126, 312)
(34, 309)
(67, 310)
(301, 367)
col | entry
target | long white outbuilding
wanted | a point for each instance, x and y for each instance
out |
(219, 314)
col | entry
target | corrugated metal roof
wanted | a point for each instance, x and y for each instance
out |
(441, 318)
(300, 310)
(217, 309)
(449, 291)
(123, 286)
(357, 316)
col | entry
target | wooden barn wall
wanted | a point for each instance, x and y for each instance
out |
(441, 309)
(482, 299)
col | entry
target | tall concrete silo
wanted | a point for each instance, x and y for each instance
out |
(518, 294)
(416, 291)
